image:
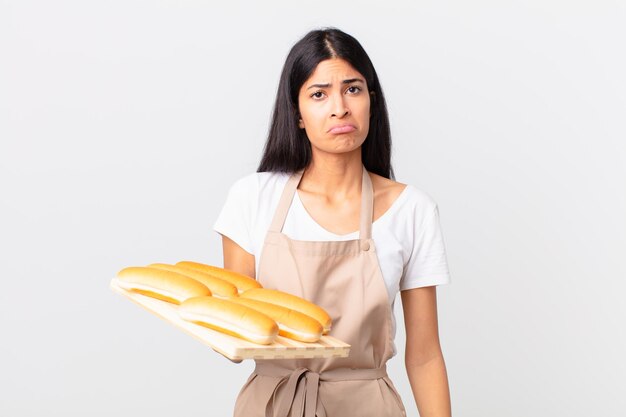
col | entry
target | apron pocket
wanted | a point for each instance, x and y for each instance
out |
(248, 382)
(255, 396)
(242, 403)
(395, 395)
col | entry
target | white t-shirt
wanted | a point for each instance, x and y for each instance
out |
(408, 239)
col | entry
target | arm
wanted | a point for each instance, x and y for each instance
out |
(424, 361)
(237, 259)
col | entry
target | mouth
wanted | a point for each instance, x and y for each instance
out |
(345, 128)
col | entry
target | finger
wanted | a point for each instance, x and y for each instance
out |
(232, 360)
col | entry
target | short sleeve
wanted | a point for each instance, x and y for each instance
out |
(427, 264)
(237, 216)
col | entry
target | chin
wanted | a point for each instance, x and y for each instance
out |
(345, 148)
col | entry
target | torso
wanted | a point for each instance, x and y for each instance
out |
(343, 217)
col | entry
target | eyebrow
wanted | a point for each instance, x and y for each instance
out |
(351, 80)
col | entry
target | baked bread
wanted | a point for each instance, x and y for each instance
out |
(242, 282)
(219, 287)
(157, 283)
(231, 318)
(291, 323)
(293, 302)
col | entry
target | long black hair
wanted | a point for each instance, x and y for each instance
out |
(287, 148)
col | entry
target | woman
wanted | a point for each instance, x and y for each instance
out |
(323, 219)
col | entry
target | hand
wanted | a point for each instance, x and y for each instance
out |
(232, 360)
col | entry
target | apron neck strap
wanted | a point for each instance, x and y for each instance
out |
(367, 204)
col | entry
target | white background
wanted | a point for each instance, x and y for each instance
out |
(124, 123)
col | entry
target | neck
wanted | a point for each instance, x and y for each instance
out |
(337, 176)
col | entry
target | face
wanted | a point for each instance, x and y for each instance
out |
(334, 107)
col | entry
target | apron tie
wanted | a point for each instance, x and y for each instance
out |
(302, 387)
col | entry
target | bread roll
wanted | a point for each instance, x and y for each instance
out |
(242, 282)
(157, 283)
(291, 301)
(231, 318)
(218, 287)
(291, 323)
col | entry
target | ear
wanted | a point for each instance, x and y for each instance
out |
(300, 122)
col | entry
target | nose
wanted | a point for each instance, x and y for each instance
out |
(339, 108)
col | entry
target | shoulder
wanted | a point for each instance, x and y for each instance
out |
(258, 181)
(258, 189)
(387, 191)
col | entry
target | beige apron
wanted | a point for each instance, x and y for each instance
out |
(345, 279)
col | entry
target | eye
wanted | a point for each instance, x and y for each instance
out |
(317, 95)
(354, 89)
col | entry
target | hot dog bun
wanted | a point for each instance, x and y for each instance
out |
(291, 301)
(242, 282)
(219, 287)
(291, 323)
(231, 318)
(157, 283)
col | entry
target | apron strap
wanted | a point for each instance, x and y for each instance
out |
(367, 204)
(285, 201)
(367, 208)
